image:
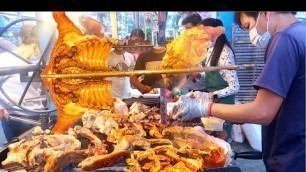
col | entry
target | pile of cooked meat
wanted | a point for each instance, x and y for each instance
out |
(105, 139)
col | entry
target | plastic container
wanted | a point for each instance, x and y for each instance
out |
(253, 134)
(212, 123)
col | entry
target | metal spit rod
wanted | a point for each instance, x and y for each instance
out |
(145, 72)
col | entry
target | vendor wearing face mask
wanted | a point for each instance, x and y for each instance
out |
(280, 102)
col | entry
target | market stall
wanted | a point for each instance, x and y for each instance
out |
(94, 131)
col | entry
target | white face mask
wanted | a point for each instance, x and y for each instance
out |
(260, 41)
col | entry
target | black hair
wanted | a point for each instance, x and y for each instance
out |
(237, 16)
(253, 14)
(138, 32)
(193, 19)
(220, 42)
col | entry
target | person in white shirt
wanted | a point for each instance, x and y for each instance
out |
(12, 86)
(221, 84)
(121, 60)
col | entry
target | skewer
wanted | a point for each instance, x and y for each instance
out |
(131, 46)
(145, 72)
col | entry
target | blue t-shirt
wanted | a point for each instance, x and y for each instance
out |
(284, 74)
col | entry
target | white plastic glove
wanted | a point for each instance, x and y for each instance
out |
(199, 95)
(189, 108)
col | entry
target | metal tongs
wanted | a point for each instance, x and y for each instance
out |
(98, 75)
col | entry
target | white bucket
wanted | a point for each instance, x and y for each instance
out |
(253, 134)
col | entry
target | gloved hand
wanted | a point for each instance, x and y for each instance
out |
(189, 108)
(199, 95)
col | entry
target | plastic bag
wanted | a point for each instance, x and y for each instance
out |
(237, 133)
(253, 134)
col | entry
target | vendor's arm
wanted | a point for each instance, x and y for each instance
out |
(229, 76)
(273, 83)
(261, 111)
(140, 65)
(141, 87)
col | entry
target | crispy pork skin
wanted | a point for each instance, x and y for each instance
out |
(36, 150)
(56, 162)
(75, 53)
(109, 160)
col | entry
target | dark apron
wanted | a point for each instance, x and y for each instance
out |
(214, 82)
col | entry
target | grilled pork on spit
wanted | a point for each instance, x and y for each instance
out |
(188, 50)
(76, 53)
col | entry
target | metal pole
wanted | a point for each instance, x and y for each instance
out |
(114, 24)
(17, 69)
(27, 87)
(144, 72)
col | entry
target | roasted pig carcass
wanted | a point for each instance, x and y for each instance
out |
(188, 50)
(75, 53)
(35, 150)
